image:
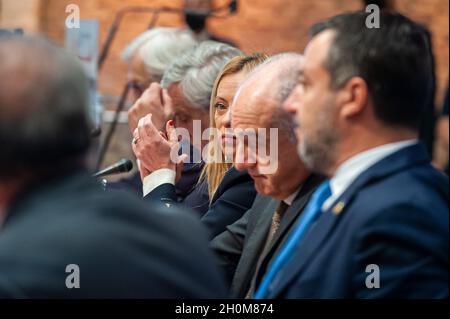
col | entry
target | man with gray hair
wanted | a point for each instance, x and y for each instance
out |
(190, 79)
(188, 83)
(248, 246)
(61, 235)
(186, 92)
(148, 57)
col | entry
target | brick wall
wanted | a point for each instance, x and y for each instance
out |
(260, 25)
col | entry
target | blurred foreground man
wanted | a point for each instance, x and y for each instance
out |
(61, 236)
(379, 227)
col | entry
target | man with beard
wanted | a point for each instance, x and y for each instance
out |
(379, 227)
(249, 245)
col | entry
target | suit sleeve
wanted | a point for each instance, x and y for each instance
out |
(165, 194)
(229, 207)
(409, 251)
(228, 246)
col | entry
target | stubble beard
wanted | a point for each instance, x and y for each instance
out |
(317, 148)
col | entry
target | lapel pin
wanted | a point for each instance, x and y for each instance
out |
(338, 208)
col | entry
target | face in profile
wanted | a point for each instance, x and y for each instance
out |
(270, 168)
(313, 102)
(287, 167)
(226, 91)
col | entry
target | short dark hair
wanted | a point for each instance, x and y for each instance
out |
(394, 60)
(44, 117)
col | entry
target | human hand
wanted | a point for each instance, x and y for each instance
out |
(152, 101)
(154, 150)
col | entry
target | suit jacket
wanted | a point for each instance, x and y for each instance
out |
(234, 196)
(241, 245)
(124, 248)
(394, 218)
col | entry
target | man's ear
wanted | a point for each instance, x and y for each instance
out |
(353, 97)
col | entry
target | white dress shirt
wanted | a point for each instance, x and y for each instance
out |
(165, 175)
(157, 178)
(347, 173)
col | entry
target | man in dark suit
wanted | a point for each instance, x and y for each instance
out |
(187, 105)
(184, 188)
(159, 171)
(61, 236)
(241, 249)
(247, 246)
(148, 56)
(379, 227)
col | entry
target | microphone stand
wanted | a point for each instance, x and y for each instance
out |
(231, 8)
(120, 106)
(118, 20)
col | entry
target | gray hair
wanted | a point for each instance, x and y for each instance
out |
(286, 76)
(197, 69)
(44, 102)
(159, 47)
(287, 72)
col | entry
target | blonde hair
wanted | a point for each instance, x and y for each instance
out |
(213, 171)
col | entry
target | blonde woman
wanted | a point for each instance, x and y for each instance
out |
(231, 192)
(225, 193)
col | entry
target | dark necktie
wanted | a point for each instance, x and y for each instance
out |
(276, 219)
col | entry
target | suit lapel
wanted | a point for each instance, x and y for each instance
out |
(231, 178)
(255, 243)
(314, 239)
(259, 235)
(292, 213)
(311, 243)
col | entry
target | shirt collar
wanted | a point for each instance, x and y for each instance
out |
(288, 200)
(353, 167)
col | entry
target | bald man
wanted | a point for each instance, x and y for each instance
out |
(283, 183)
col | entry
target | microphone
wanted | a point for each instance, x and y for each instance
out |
(122, 166)
(231, 8)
